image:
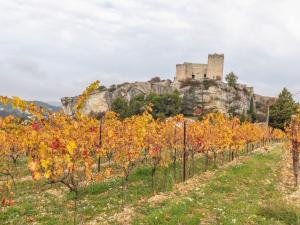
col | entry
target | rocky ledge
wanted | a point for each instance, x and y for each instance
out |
(212, 94)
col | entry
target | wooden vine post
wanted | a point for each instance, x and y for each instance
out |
(100, 143)
(295, 152)
(184, 151)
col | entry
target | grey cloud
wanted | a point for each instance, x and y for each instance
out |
(50, 49)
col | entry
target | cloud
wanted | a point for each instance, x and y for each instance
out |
(51, 49)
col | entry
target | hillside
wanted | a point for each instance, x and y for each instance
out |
(5, 111)
(213, 95)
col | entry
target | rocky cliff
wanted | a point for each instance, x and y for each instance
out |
(210, 94)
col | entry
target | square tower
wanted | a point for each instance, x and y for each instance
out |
(215, 66)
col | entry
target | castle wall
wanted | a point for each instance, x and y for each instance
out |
(215, 66)
(180, 71)
(212, 70)
(199, 70)
(187, 70)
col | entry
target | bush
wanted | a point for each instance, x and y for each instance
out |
(231, 79)
(155, 80)
(112, 88)
(120, 106)
(163, 106)
(102, 88)
(190, 82)
(207, 83)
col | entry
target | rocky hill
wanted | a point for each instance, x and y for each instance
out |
(209, 94)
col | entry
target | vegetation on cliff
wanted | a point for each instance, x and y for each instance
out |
(163, 106)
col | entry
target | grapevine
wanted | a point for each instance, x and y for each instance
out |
(66, 149)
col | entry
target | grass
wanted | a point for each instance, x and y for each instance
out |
(34, 202)
(239, 194)
(281, 211)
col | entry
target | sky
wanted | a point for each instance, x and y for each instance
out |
(51, 49)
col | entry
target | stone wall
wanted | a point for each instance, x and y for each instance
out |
(212, 70)
(191, 70)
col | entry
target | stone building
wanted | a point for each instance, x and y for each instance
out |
(212, 70)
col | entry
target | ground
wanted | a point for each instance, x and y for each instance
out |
(255, 189)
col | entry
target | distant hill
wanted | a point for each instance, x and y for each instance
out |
(8, 110)
(57, 104)
(48, 106)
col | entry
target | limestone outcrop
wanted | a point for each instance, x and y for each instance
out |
(210, 94)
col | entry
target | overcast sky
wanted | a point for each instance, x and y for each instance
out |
(50, 49)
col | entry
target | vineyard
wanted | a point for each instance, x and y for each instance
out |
(84, 154)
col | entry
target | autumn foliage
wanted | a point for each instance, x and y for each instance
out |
(66, 149)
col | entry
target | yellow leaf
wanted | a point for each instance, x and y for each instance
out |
(68, 159)
(45, 163)
(36, 176)
(71, 147)
(47, 174)
(43, 149)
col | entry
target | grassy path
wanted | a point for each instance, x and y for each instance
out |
(245, 193)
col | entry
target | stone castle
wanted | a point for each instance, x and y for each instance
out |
(212, 70)
(215, 95)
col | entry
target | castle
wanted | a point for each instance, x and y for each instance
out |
(212, 70)
(214, 96)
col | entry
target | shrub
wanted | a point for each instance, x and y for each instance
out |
(155, 80)
(231, 79)
(190, 82)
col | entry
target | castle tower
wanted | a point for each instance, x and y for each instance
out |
(215, 66)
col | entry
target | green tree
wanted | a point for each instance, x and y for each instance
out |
(233, 110)
(190, 102)
(252, 112)
(120, 106)
(243, 117)
(282, 110)
(136, 105)
(231, 79)
(165, 105)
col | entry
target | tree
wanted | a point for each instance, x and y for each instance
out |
(251, 112)
(120, 106)
(190, 102)
(155, 80)
(243, 117)
(231, 79)
(136, 105)
(282, 110)
(233, 110)
(164, 105)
